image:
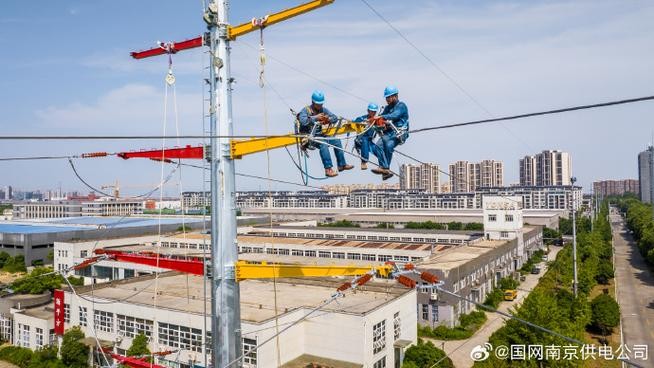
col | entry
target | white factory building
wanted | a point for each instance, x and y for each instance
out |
(369, 328)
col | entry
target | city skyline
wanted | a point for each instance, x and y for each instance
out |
(112, 94)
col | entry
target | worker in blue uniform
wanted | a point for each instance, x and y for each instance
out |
(309, 118)
(363, 142)
(395, 131)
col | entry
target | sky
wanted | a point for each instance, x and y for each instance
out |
(67, 71)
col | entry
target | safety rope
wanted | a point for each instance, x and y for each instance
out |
(260, 22)
(169, 82)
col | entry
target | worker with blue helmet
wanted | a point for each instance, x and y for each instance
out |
(363, 142)
(395, 131)
(315, 114)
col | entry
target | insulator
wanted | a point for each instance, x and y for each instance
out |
(94, 154)
(406, 281)
(363, 279)
(430, 278)
(409, 266)
(345, 286)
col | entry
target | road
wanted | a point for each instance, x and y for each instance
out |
(459, 350)
(635, 289)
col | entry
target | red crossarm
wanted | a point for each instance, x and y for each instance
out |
(187, 152)
(174, 47)
(192, 266)
(86, 263)
(134, 362)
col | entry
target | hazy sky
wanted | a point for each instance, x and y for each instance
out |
(66, 70)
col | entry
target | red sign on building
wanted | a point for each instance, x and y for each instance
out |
(59, 312)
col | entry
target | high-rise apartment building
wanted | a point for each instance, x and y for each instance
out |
(424, 176)
(548, 168)
(645, 174)
(616, 187)
(469, 176)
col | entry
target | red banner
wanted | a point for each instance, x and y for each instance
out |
(59, 312)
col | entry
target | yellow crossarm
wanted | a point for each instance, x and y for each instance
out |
(250, 270)
(242, 147)
(281, 16)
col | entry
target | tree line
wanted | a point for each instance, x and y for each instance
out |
(641, 223)
(553, 305)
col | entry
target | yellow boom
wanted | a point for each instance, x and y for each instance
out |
(242, 147)
(252, 270)
(241, 29)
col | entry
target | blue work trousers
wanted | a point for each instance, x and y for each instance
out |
(326, 157)
(363, 144)
(385, 147)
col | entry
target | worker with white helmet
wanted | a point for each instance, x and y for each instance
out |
(363, 142)
(394, 122)
(314, 114)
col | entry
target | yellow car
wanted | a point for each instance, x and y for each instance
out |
(510, 295)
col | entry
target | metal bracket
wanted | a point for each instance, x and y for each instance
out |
(230, 272)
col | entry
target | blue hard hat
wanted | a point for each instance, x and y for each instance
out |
(373, 107)
(318, 97)
(390, 90)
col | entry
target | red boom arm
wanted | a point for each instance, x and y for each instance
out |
(173, 47)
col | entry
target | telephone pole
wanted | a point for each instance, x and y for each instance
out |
(574, 237)
(225, 305)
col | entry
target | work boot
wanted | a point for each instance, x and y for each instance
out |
(364, 165)
(387, 175)
(346, 167)
(330, 173)
(378, 171)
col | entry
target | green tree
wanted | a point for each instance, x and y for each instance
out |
(46, 358)
(429, 225)
(15, 264)
(4, 257)
(17, 355)
(425, 355)
(604, 273)
(74, 353)
(474, 226)
(139, 346)
(409, 364)
(342, 223)
(454, 225)
(550, 235)
(39, 280)
(385, 225)
(606, 313)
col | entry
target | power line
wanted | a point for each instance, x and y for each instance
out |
(35, 158)
(259, 177)
(296, 69)
(455, 179)
(440, 70)
(131, 137)
(420, 130)
(429, 60)
(540, 113)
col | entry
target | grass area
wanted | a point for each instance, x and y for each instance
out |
(469, 324)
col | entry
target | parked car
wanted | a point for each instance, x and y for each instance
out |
(510, 295)
(535, 270)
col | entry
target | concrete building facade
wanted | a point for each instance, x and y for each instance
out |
(49, 209)
(551, 197)
(548, 168)
(616, 187)
(646, 175)
(369, 328)
(424, 176)
(468, 176)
